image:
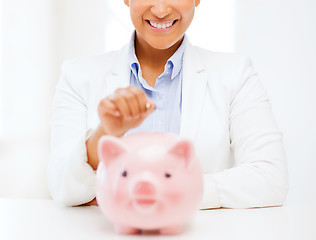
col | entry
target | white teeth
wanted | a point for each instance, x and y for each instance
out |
(160, 25)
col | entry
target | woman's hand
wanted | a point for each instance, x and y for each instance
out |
(123, 110)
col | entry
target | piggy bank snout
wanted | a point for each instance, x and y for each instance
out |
(144, 188)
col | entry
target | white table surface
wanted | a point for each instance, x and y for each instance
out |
(46, 219)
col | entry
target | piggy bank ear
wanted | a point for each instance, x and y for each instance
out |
(109, 148)
(184, 151)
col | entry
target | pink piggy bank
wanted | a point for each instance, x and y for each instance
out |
(148, 181)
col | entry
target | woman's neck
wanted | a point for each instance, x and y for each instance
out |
(147, 55)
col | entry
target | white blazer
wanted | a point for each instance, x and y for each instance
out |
(225, 112)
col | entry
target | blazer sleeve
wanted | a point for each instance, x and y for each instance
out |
(259, 177)
(71, 180)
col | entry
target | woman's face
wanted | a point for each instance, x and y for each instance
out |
(161, 23)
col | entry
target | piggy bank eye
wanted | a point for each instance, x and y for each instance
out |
(124, 174)
(168, 175)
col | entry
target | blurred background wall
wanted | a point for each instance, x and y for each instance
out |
(280, 37)
(36, 36)
(27, 80)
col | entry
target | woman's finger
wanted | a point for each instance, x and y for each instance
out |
(141, 99)
(108, 107)
(145, 103)
(131, 98)
(121, 104)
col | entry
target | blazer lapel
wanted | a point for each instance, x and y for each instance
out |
(120, 73)
(193, 92)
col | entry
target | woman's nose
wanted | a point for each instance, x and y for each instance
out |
(161, 8)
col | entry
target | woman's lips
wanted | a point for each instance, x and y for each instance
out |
(161, 26)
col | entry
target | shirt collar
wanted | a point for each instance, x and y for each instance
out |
(132, 59)
(175, 61)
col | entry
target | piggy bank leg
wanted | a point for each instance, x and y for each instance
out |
(172, 230)
(121, 229)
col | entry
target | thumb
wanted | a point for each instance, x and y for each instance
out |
(150, 106)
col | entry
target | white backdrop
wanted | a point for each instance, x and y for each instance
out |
(27, 77)
(37, 35)
(280, 37)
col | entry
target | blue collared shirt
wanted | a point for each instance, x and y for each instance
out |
(166, 93)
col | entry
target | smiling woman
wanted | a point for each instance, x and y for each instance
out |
(161, 82)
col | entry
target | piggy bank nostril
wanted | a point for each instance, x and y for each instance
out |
(144, 188)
